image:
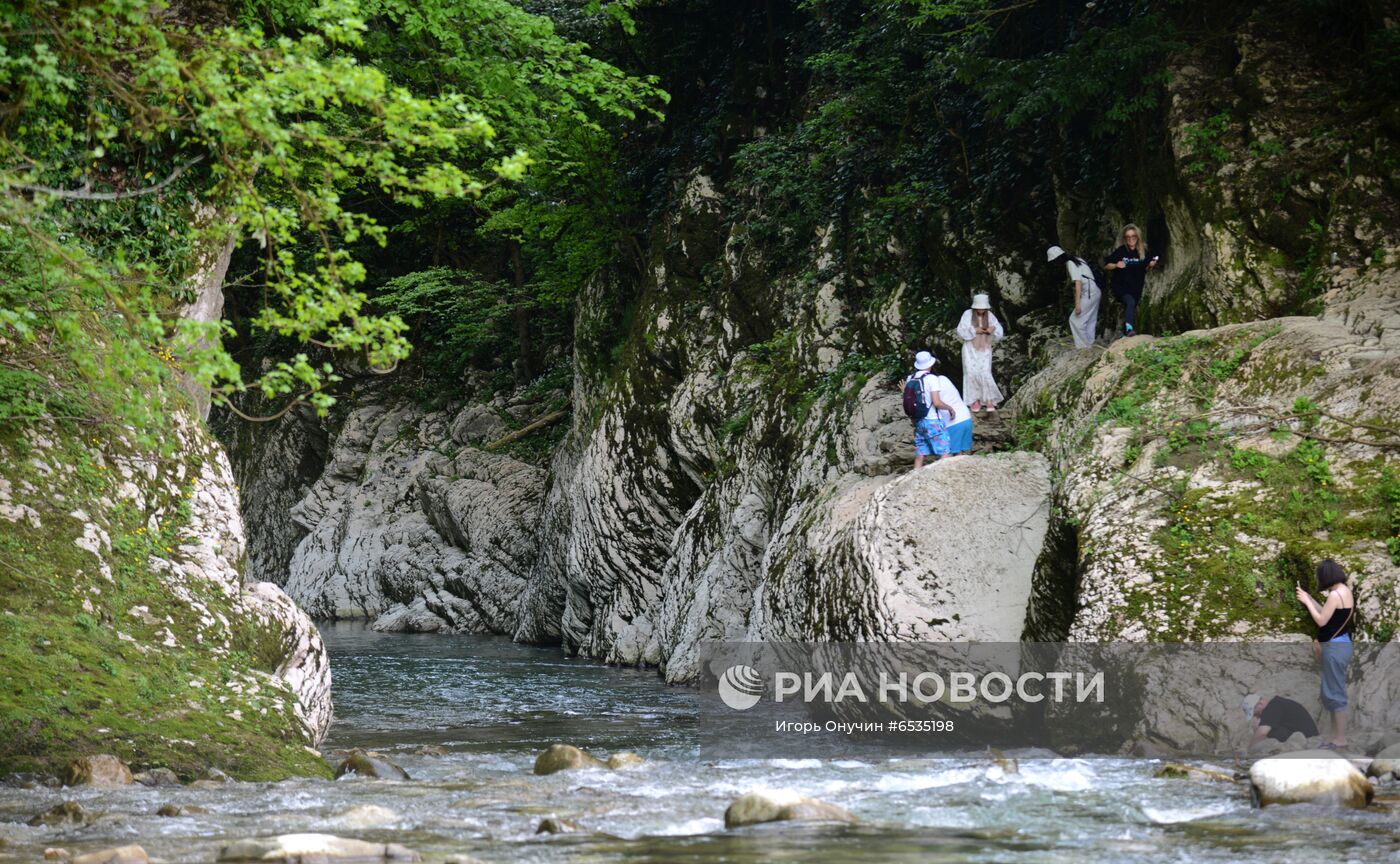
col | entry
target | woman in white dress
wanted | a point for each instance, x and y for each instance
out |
(978, 329)
(1084, 323)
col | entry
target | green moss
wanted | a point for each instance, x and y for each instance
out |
(84, 667)
(1241, 552)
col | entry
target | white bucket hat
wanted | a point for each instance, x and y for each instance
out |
(1248, 705)
(923, 361)
(1053, 252)
(981, 301)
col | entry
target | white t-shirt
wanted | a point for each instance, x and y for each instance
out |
(1080, 272)
(948, 392)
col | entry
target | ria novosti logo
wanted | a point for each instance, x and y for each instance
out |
(741, 687)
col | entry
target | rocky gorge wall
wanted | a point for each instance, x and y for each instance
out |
(733, 467)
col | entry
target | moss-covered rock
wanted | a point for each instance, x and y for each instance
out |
(127, 628)
(1206, 474)
(564, 757)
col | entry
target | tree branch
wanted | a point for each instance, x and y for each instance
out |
(539, 424)
(84, 194)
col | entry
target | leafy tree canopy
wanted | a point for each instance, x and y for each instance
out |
(138, 140)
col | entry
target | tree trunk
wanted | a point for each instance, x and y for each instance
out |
(520, 311)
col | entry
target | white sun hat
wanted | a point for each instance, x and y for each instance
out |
(1053, 252)
(1248, 704)
(923, 361)
(981, 301)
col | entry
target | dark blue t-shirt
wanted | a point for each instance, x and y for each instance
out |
(1129, 279)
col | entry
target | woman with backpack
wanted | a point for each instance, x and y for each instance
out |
(978, 329)
(1085, 321)
(921, 405)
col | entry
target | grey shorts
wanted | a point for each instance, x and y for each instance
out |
(1336, 657)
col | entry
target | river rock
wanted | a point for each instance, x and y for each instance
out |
(781, 805)
(118, 855)
(314, 849)
(157, 777)
(30, 780)
(57, 853)
(1386, 763)
(182, 810)
(100, 770)
(365, 816)
(624, 759)
(366, 763)
(1180, 771)
(1308, 776)
(67, 813)
(555, 825)
(564, 757)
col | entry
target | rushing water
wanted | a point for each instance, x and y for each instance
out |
(493, 705)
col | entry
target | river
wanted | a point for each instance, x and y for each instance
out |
(493, 705)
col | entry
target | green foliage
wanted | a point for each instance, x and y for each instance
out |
(454, 316)
(1108, 75)
(140, 143)
(1205, 147)
(1387, 499)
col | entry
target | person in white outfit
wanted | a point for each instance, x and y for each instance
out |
(978, 329)
(1083, 324)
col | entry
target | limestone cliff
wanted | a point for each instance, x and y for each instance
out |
(127, 619)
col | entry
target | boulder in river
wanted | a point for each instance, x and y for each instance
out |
(67, 813)
(624, 759)
(1181, 771)
(365, 816)
(563, 757)
(366, 763)
(100, 770)
(781, 805)
(181, 810)
(555, 825)
(1386, 763)
(1309, 776)
(314, 849)
(117, 855)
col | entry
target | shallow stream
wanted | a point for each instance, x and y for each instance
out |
(493, 705)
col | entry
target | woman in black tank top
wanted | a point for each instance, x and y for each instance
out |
(1334, 619)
